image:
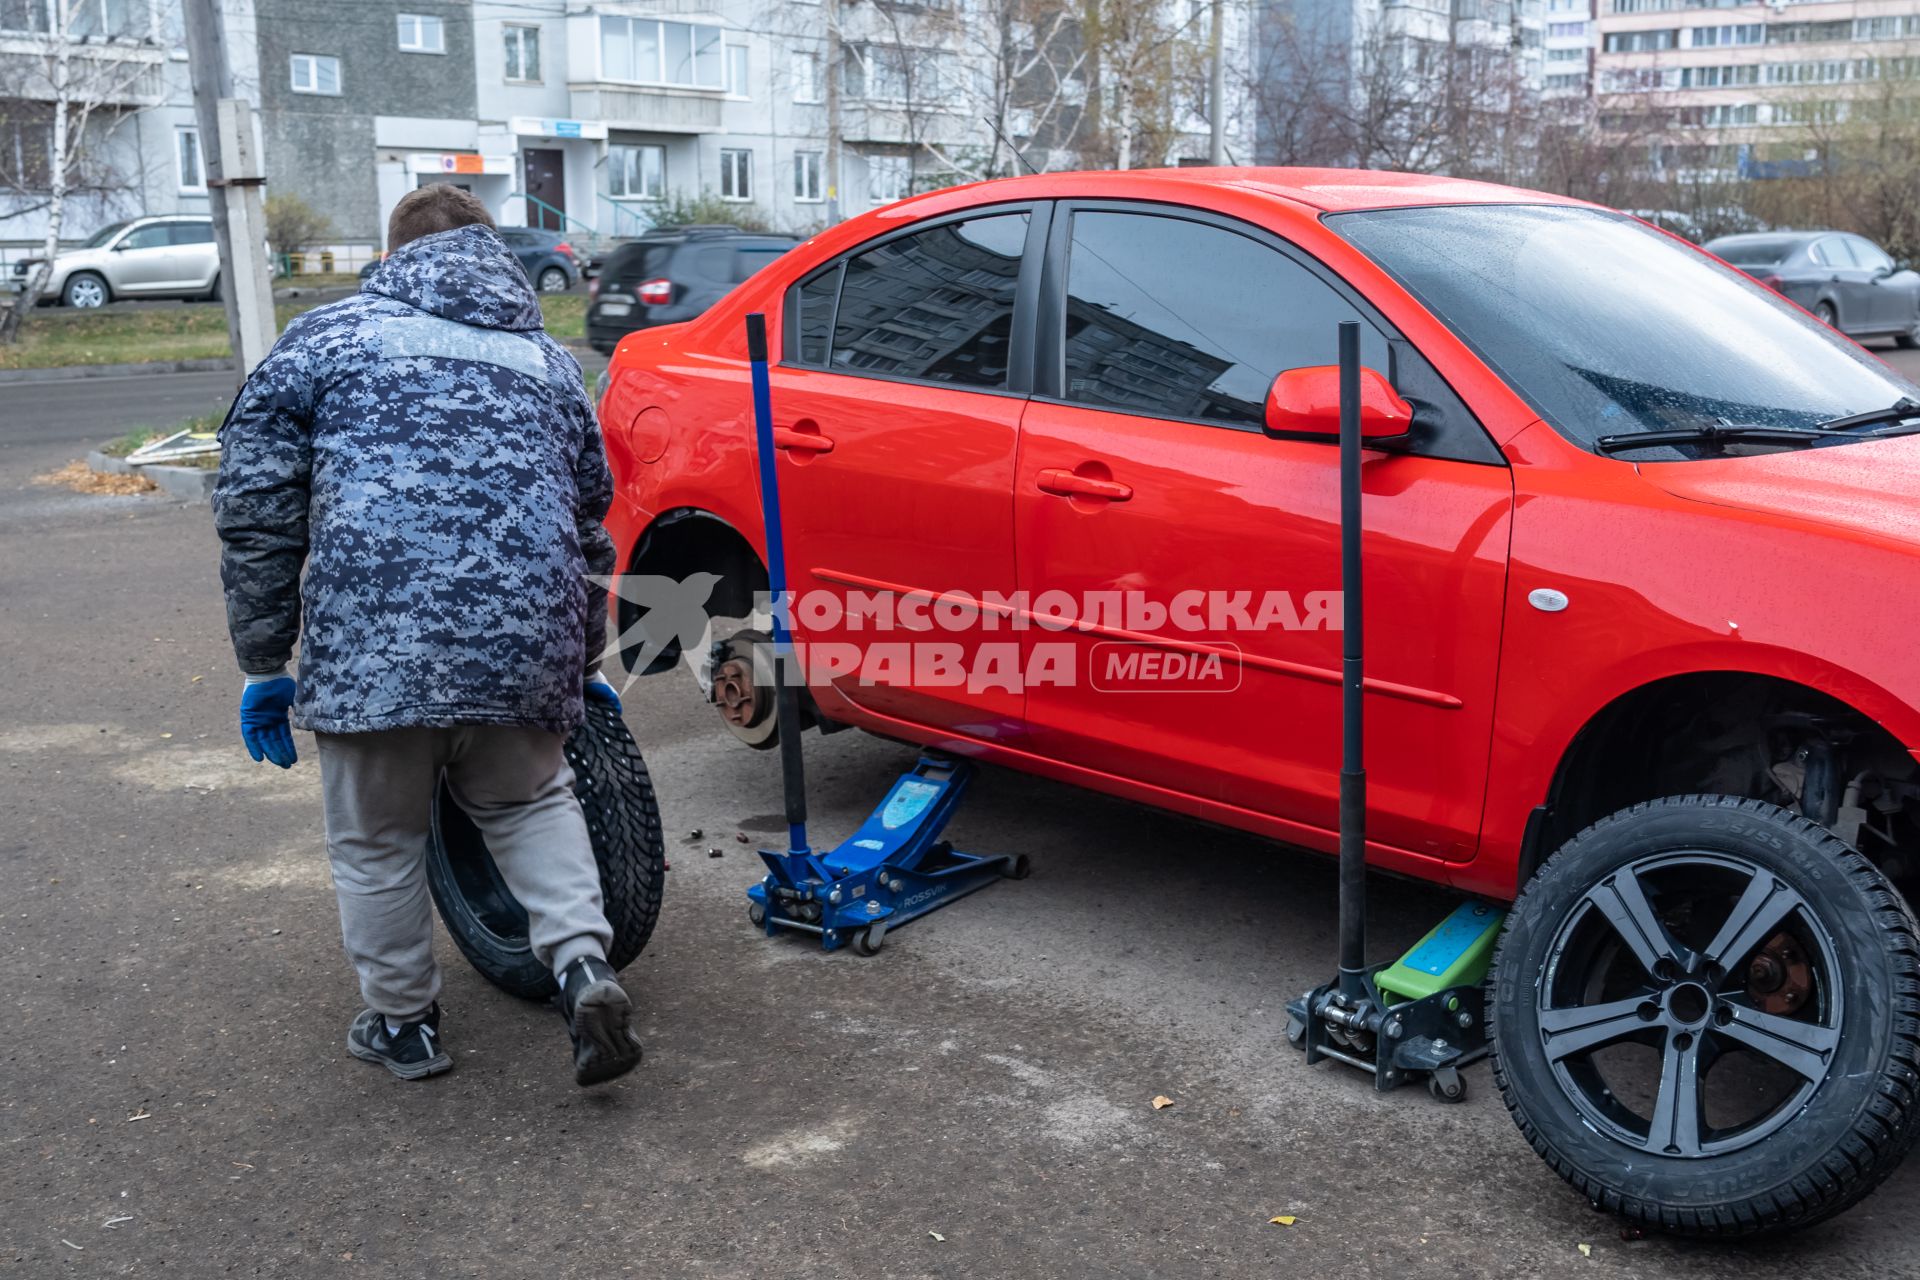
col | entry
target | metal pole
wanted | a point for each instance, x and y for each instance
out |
(1217, 89)
(1353, 772)
(212, 81)
(831, 11)
(786, 680)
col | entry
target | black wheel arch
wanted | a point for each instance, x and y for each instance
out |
(678, 544)
(1648, 743)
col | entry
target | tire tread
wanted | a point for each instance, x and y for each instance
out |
(1881, 1135)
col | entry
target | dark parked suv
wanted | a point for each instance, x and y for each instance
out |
(672, 274)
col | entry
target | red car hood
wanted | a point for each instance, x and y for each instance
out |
(1870, 488)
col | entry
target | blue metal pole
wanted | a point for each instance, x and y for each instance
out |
(786, 680)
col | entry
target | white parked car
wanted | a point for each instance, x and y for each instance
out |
(162, 257)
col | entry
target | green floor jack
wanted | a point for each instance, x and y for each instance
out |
(1423, 1016)
(896, 867)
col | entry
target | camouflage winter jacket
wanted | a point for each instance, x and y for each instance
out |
(431, 455)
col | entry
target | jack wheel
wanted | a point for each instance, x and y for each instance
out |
(869, 940)
(1447, 1085)
(1020, 869)
(757, 914)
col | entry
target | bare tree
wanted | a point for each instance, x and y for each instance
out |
(67, 84)
(1137, 54)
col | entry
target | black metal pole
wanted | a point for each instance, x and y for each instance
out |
(1353, 772)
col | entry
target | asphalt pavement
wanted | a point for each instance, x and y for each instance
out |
(176, 1099)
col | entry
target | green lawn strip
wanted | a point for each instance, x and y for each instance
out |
(54, 338)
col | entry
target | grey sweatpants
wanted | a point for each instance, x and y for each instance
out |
(516, 786)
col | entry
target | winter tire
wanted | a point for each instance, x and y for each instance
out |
(1705, 1014)
(485, 920)
(554, 280)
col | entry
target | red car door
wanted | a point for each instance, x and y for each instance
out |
(897, 413)
(1144, 473)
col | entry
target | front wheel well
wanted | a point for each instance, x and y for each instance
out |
(680, 545)
(1738, 734)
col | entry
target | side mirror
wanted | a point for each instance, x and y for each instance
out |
(1881, 273)
(1304, 404)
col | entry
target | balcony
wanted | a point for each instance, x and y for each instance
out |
(645, 109)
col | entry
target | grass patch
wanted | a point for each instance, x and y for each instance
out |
(55, 337)
(122, 445)
(565, 314)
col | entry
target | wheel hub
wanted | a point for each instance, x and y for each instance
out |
(1688, 1003)
(734, 692)
(1779, 978)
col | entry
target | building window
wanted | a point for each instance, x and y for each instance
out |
(889, 178)
(422, 33)
(808, 166)
(736, 173)
(24, 15)
(316, 73)
(896, 73)
(26, 153)
(637, 173)
(649, 51)
(806, 76)
(186, 155)
(739, 67)
(523, 54)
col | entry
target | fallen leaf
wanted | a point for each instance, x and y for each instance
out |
(198, 679)
(1586, 1251)
(166, 735)
(1161, 1102)
(937, 1236)
(1283, 1220)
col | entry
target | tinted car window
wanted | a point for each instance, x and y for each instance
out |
(1868, 254)
(192, 232)
(714, 263)
(1754, 253)
(936, 305)
(813, 321)
(748, 260)
(1832, 252)
(1180, 319)
(1608, 327)
(152, 236)
(638, 262)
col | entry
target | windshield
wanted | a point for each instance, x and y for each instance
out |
(1607, 327)
(1753, 253)
(105, 234)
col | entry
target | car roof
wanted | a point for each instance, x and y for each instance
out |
(1324, 190)
(1757, 237)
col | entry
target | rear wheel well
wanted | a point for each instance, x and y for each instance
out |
(1735, 733)
(679, 545)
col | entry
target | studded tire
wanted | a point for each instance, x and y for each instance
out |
(482, 916)
(1842, 1044)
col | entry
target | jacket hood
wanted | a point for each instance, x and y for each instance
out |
(467, 274)
(1871, 489)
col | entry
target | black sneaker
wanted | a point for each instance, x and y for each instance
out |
(413, 1054)
(598, 1014)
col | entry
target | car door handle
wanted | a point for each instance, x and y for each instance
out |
(1062, 483)
(804, 441)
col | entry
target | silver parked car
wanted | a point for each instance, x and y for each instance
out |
(145, 258)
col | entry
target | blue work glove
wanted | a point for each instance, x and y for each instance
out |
(263, 720)
(600, 691)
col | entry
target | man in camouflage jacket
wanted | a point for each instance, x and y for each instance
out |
(431, 457)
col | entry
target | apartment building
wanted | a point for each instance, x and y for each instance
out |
(1567, 40)
(589, 117)
(1724, 85)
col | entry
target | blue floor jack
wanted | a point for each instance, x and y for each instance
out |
(1423, 1016)
(896, 867)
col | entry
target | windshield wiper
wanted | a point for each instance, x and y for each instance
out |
(1717, 434)
(1899, 411)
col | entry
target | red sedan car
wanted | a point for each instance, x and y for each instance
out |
(1636, 534)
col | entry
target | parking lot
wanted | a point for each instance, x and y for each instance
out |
(975, 1101)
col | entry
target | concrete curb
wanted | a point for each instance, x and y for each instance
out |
(69, 372)
(189, 484)
(98, 461)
